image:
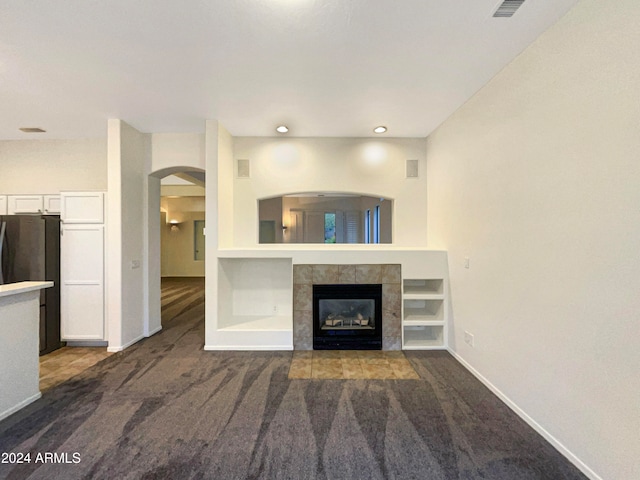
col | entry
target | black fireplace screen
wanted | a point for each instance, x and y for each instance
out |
(347, 317)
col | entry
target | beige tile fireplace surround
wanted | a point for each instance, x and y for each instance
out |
(305, 276)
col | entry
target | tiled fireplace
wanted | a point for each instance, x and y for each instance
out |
(306, 276)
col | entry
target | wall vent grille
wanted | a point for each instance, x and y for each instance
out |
(508, 8)
(412, 168)
(244, 169)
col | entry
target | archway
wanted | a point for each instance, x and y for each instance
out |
(195, 176)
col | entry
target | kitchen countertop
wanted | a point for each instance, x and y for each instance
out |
(22, 287)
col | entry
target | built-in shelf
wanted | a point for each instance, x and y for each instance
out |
(423, 337)
(255, 304)
(423, 314)
(423, 287)
(258, 322)
(424, 310)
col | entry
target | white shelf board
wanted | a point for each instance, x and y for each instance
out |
(419, 321)
(416, 346)
(423, 296)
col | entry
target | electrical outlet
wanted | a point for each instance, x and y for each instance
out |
(135, 264)
(275, 309)
(468, 338)
(466, 262)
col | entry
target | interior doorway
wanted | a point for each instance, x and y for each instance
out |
(176, 218)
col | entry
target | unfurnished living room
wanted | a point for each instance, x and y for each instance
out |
(320, 239)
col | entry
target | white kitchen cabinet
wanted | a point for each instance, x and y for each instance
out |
(82, 207)
(3, 204)
(51, 204)
(24, 204)
(82, 306)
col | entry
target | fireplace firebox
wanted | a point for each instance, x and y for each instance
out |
(347, 317)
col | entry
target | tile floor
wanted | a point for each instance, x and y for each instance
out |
(351, 364)
(66, 362)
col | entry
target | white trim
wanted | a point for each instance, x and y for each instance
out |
(19, 406)
(156, 330)
(530, 421)
(211, 348)
(126, 345)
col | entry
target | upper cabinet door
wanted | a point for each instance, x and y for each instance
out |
(3, 204)
(82, 207)
(51, 204)
(19, 204)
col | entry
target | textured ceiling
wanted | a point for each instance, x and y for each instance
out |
(323, 67)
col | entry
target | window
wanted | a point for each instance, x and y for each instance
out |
(367, 226)
(329, 228)
(376, 224)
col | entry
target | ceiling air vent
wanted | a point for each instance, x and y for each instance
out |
(508, 8)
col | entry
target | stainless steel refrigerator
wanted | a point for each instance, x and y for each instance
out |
(30, 250)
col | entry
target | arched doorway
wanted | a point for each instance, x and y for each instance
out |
(170, 219)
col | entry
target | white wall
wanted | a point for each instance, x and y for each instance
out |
(537, 180)
(367, 166)
(129, 159)
(226, 215)
(152, 260)
(177, 149)
(178, 246)
(211, 238)
(175, 207)
(50, 166)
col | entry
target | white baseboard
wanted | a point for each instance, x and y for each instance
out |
(263, 348)
(530, 421)
(20, 406)
(126, 345)
(154, 331)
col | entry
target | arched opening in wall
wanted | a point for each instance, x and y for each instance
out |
(176, 282)
(325, 217)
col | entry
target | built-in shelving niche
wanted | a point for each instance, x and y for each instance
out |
(255, 303)
(424, 313)
(423, 286)
(423, 337)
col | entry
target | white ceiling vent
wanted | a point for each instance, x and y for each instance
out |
(508, 8)
(244, 169)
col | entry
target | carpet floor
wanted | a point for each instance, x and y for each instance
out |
(165, 408)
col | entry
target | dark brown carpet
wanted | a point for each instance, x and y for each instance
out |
(165, 408)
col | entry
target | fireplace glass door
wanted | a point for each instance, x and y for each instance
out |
(347, 317)
(347, 314)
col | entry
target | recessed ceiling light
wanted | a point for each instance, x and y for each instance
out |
(282, 129)
(32, 130)
(380, 129)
